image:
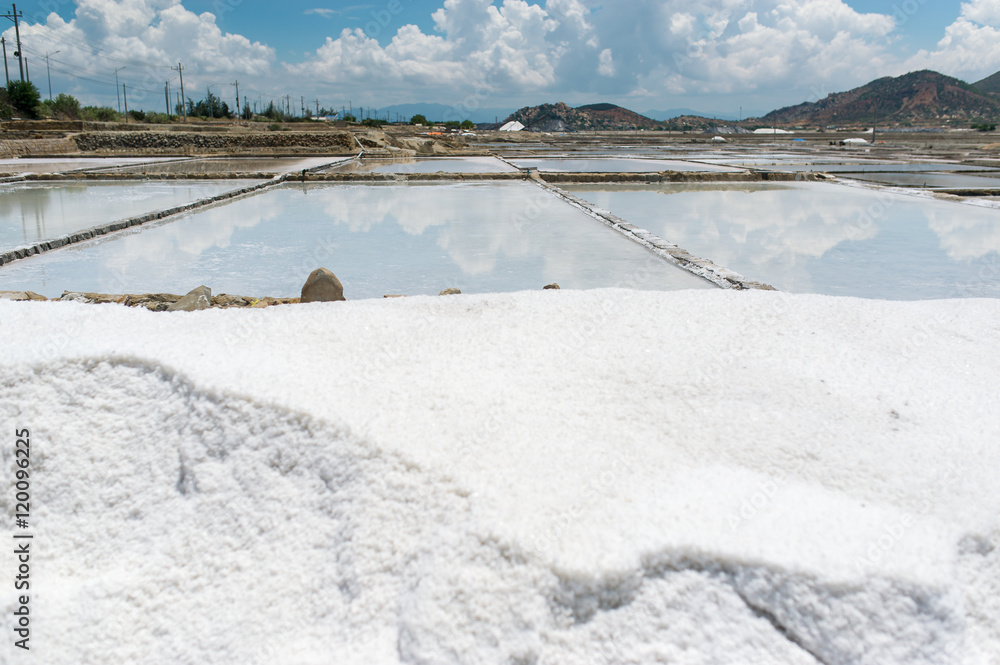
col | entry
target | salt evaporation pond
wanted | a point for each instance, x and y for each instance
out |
(61, 164)
(622, 165)
(35, 211)
(237, 165)
(378, 239)
(929, 179)
(424, 165)
(822, 238)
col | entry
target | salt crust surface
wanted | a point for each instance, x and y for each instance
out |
(551, 477)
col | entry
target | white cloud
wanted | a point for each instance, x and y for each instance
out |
(145, 38)
(503, 52)
(607, 63)
(563, 48)
(970, 48)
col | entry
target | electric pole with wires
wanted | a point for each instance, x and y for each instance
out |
(180, 70)
(13, 16)
(6, 71)
(118, 91)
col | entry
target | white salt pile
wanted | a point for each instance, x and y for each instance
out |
(550, 477)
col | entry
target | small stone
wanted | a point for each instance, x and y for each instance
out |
(450, 292)
(199, 298)
(71, 296)
(322, 286)
(225, 300)
(550, 287)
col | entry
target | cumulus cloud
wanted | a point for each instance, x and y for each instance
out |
(614, 47)
(144, 38)
(501, 52)
(970, 48)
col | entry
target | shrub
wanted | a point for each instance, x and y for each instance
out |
(158, 118)
(64, 106)
(418, 120)
(24, 97)
(100, 114)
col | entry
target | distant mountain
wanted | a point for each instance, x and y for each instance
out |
(670, 114)
(923, 96)
(442, 112)
(563, 118)
(989, 85)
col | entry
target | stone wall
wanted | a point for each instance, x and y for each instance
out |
(199, 143)
(35, 147)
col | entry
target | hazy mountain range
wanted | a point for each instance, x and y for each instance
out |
(924, 98)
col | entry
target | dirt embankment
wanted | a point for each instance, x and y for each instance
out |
(163, 142)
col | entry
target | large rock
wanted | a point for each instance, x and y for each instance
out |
(551, 287)
(21, 295)
(199, 298)
(322, 286)
(451, 292)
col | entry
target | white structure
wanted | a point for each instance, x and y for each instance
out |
(854, 142)
(512, 126)
(718, 139)
(770, 130)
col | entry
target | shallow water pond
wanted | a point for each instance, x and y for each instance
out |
(34, 211)
(379, 240)
(821, 237)
(424, 165)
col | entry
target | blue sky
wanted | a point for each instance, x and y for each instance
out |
(713, 55)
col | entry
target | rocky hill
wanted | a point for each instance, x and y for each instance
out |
(917, 97)
(594, 117)
(989, 85)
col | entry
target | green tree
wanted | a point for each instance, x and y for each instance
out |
(468, 124)
(24, 98)
(418, 120)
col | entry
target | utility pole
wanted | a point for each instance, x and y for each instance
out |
(125, 96)
(317, 107)
(116, 89)
(13, 16)
(27, 74)
(166, 96)
(48, 71)
(302, 103)
(237, 84)
(874, 123)
(5, 70)
(180, 70)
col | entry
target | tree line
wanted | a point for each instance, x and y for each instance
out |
(21, 99)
